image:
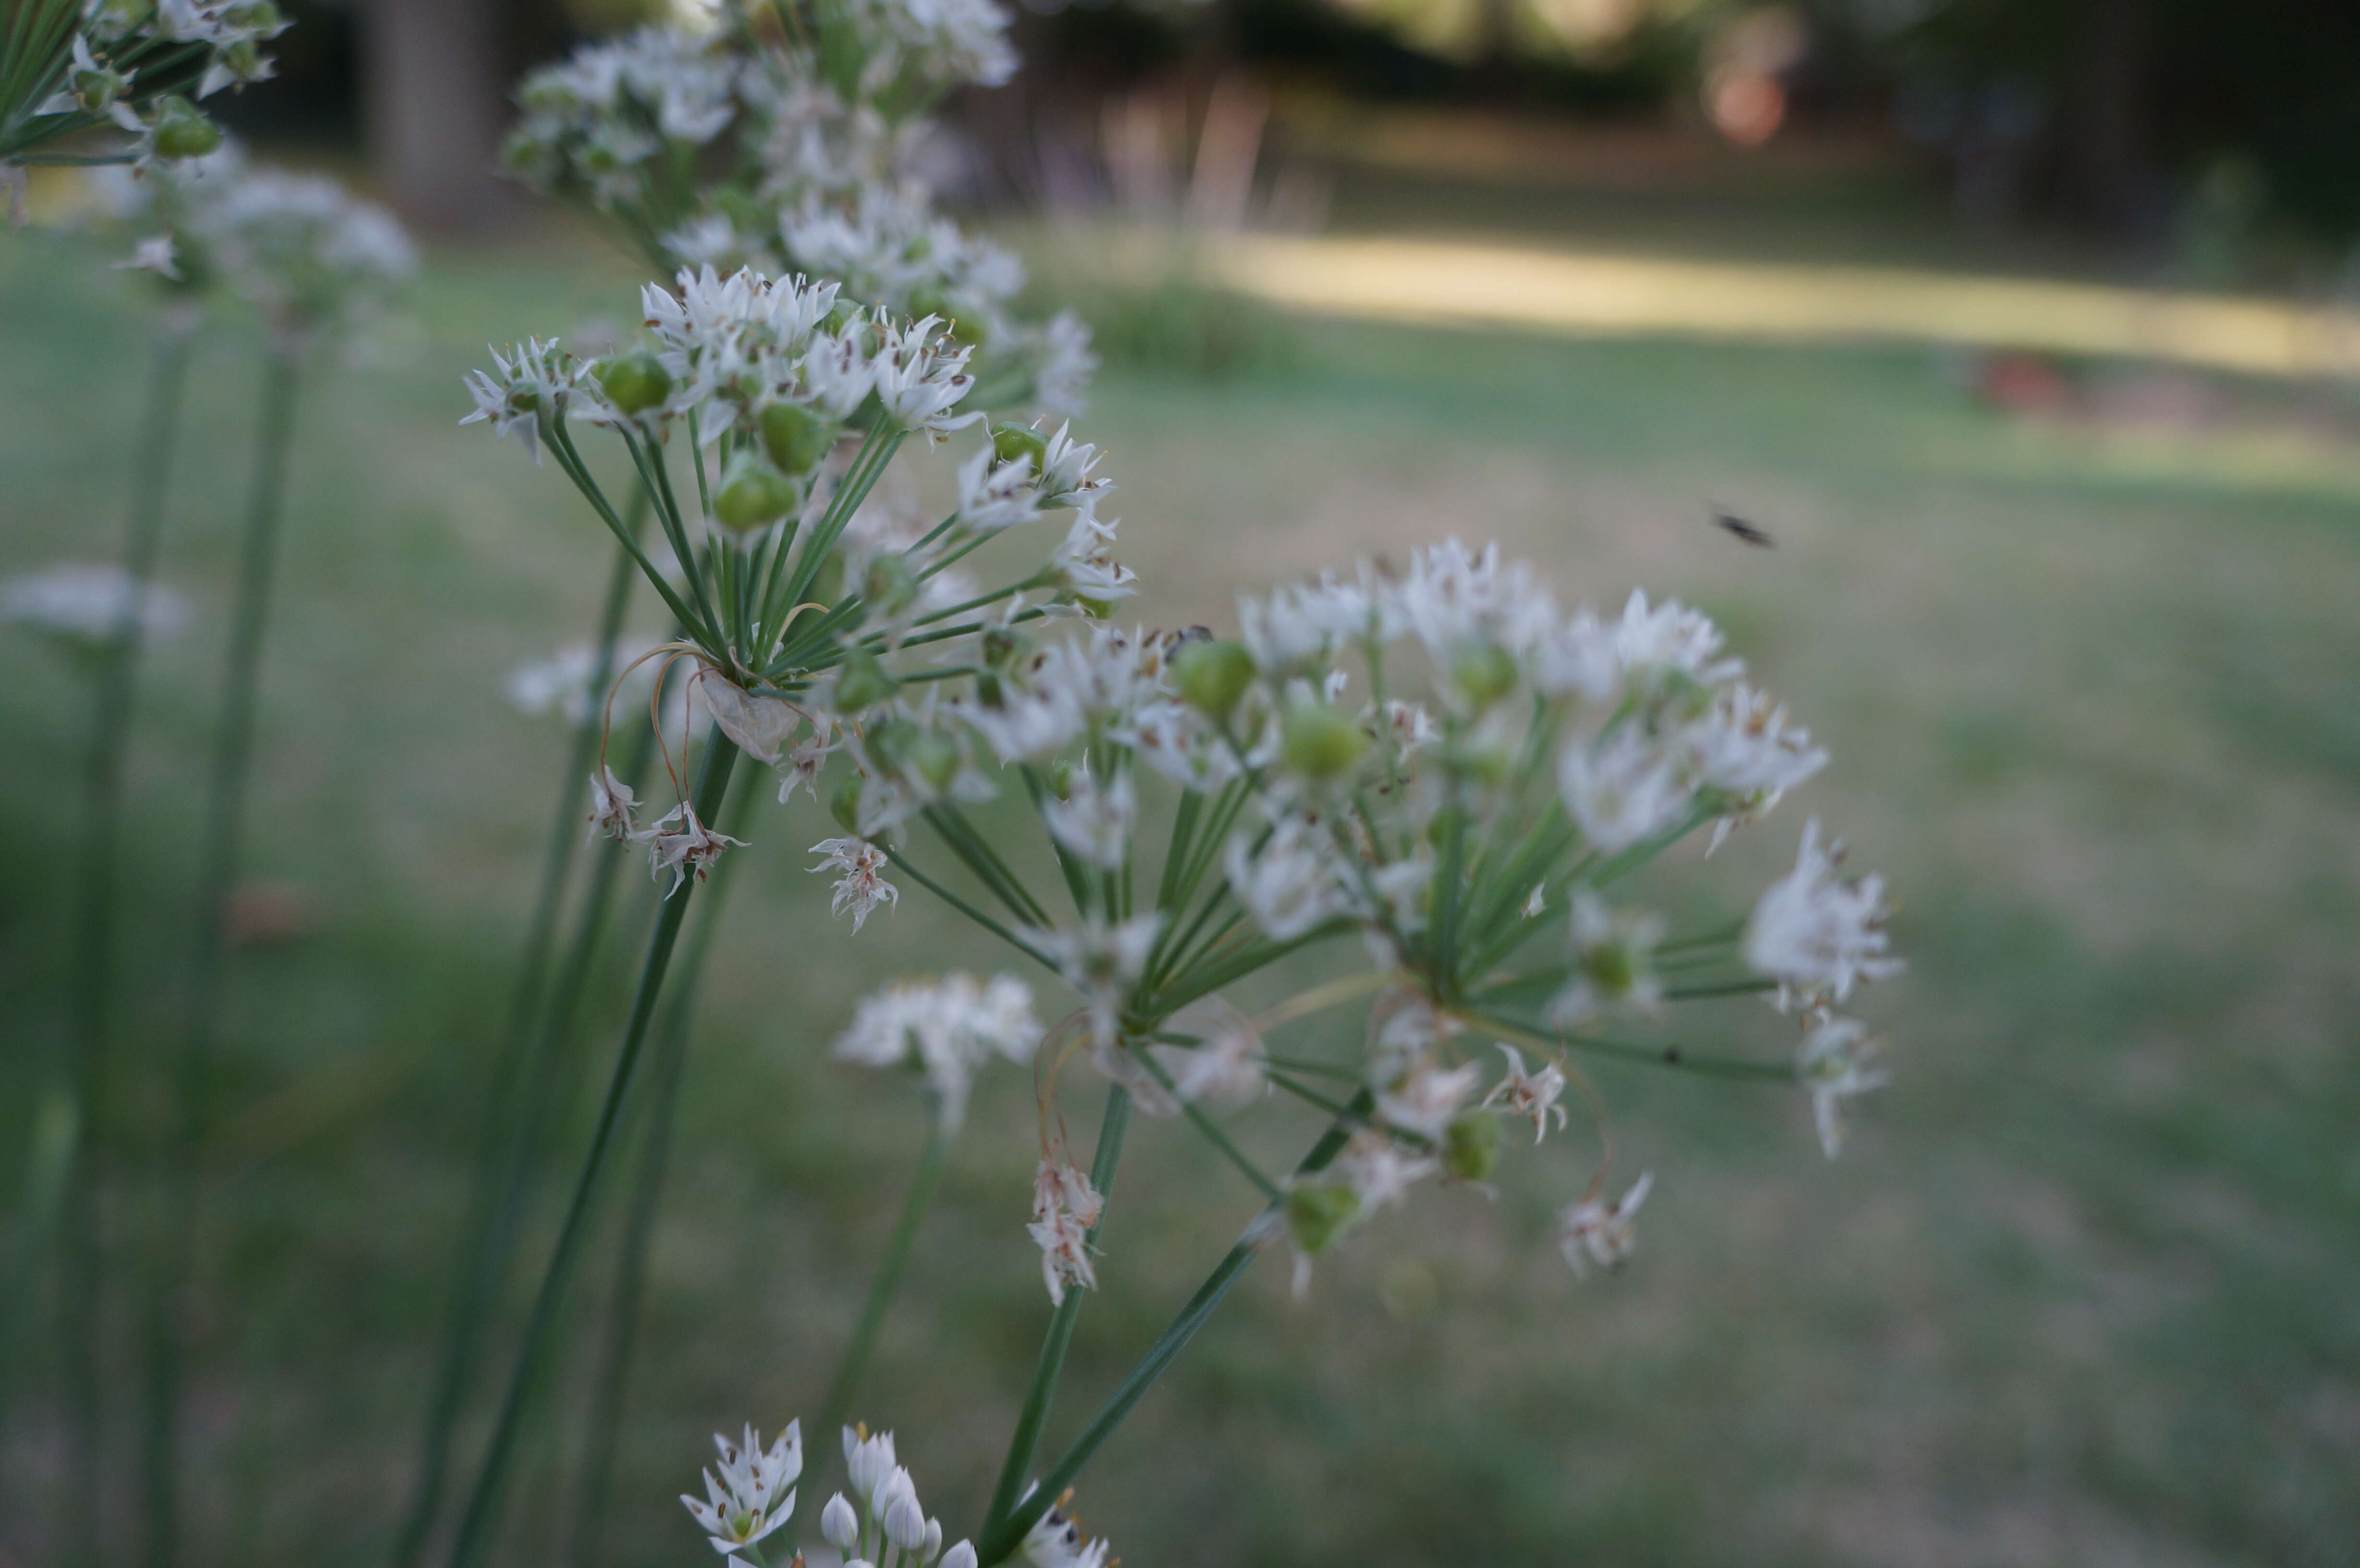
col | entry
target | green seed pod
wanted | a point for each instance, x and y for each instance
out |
(1011, 442)
(863, 683)
(1212, 676)
(1438, 826)
(753, 497)
(796, 438)
(260, 14)
(1608, 966)
(1471, 1146)
(1487, 761)
(1001, 648)
(845, 804)
(1484, 674)
(889, 586)
(1319, 742)
(1060, 778)
(1096, 609)
(182, 130)
(635, 383)
(933, 757)
(1318, 1214)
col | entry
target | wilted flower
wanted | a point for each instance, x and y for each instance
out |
(861, 888)
(1593, 1232)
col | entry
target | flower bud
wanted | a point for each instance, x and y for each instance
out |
(635, 383)
(1319, 741)
(1471, 1146)
(960, 1556)
(862, 682)
(1316, 1214)
(182, 130)
(1009, 441)
(890, 587)
(754, 497)
(845, 805)
(838, 1524)
(1212, 676)
(795, 436)
(1484, 674)
(905, 1521)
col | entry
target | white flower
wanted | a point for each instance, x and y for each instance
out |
(1531, 1096)
(1744, 748)
(1426, 1099)
(1817, 936)
(1305, 621)
(1062, 375)
(154, 254)
(1833, 1063)
(89, 608)
(525, 385)
(1622, 789)
(1227, 1067)
(861, 888)
(995, 494)
(1292, 881)
(684, 845)
(1593, 1232)
(1377, 1171)
(948, 1029)
(1086, 565)
(754, 1491)
(1065, 1208)
(1101, 962)
(1095, 820)
(613, 807)
(919, 375)
(560, 684)
(1056, 1542)
(1670, 637)
(1453, 601)
(1611, 963)
(868, 1461)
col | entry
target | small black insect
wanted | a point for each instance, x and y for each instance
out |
(1744, 531)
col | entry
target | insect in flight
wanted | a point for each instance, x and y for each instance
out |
(1744, 531)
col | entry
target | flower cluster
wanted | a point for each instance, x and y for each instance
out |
(313, 259)
(88, 610)
(881, 1524)
(751, 1492)
(138, 65)
(822, 121)
(947, 1029)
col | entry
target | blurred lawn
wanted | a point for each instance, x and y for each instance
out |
(2080, 1292)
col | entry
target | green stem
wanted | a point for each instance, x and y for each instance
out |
(485, 1242)
(882, 1289)
(85, 1174)
(1006, 1528)
(224, 819)
(631, 1269)
(478, 1524)
(1025, 1441)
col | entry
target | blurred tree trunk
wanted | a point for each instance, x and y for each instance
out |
(2108, 154)
(436, 104)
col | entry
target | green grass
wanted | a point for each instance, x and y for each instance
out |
(2080, 1292)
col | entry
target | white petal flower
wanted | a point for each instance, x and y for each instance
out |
(861, 888)
(948, 1029)
(88, 609)
(525, 385)
(1056, 1542)
(1065, 1208)
(1622, 790)
(1379, 1173)
(1816, 935)
(750, 1493)
(1532, 1096)
(1095, 820)
(1593, 1232)
(1101, 962)
(1291, 880)
(685, 846)
(1427, 1098)
(1833, 1063)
